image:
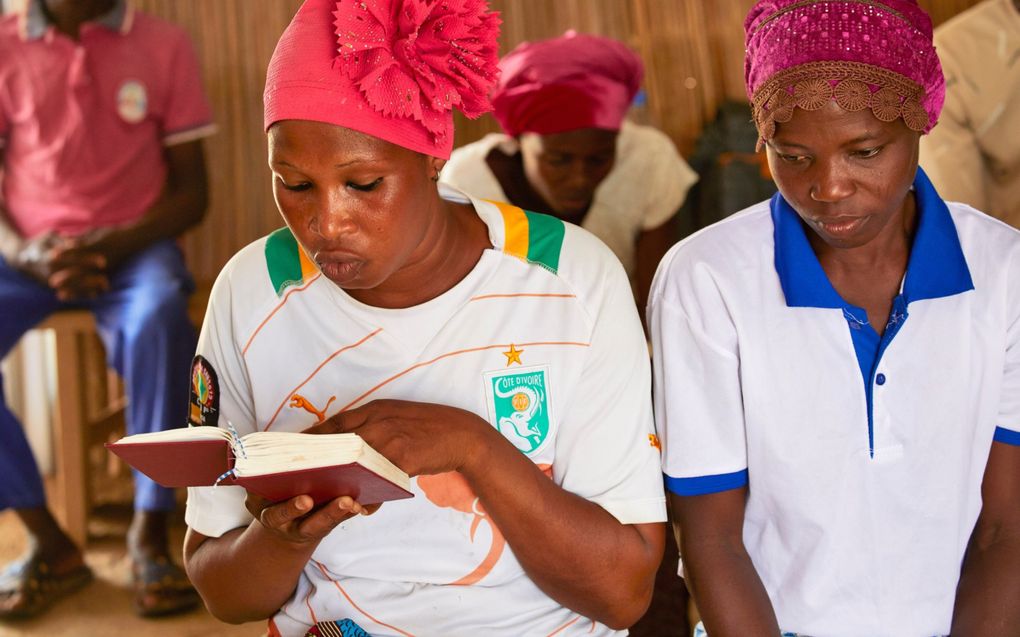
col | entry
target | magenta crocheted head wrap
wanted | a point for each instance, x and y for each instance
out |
(393, 69)
(566, 83)
(875, 54)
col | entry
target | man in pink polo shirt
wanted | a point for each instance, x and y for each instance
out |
(101, 167)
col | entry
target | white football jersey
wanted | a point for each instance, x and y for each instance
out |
(541, 339)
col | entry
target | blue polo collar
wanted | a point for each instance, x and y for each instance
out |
(35, 23)
(936, 267)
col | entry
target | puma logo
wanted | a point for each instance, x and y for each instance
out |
(300, 402)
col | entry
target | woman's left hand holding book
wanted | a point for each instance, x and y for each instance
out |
(297, 521)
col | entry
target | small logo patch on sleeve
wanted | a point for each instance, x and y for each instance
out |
(204, 399)
(654, 441)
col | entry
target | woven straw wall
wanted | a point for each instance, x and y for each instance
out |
(693, 51)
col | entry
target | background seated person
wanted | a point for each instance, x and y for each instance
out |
(974, 154)
(494, 355)
(568, 151)
(101, 168)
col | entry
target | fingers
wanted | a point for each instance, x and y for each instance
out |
(332, 425)
(75, 283)
(329, 516)
(343, 422)
(71, 256)
(279, 516)
(296, 520)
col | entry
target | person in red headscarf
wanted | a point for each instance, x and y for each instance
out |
(837, 370)
(567, 149)
(493, 354)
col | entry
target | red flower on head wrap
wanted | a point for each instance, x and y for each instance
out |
(419, 58)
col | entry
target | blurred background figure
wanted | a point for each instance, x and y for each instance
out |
(973, 156)
(567, 150)
(732, 176)
(101, 168)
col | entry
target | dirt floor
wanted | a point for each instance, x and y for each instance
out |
(103, 608)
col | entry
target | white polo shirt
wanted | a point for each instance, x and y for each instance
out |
(864, 456)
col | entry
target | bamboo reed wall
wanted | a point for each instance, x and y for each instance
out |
(693, 51)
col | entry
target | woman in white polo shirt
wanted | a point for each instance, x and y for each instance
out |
(837, 370)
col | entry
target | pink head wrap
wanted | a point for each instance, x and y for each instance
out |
(875, 54)
(566, 83)
(393, 69)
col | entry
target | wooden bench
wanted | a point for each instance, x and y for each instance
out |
(87, 411)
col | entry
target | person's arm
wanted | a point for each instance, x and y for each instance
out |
(719, 573)
(268, 554)
(81, 265)
(665, 181)
(986, 598)
(572, 548)
(649, 249)
(181, 206)
(578, 554)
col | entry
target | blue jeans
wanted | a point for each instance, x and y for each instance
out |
(143, 323)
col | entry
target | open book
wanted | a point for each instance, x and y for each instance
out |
(275, 465)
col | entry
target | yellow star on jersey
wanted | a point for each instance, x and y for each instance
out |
(513, 356)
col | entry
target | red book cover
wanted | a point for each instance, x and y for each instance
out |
(199, 463)
(186, 463)
(325, 484)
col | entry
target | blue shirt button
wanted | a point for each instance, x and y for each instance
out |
(880, 379)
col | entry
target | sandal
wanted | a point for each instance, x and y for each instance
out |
(161, 587)
(29, 586)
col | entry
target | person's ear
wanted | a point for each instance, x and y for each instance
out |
(435, 167)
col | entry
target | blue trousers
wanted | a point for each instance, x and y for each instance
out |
(143, 323)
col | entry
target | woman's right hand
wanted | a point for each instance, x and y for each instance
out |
(297, 522)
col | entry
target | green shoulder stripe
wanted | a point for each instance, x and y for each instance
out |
(545, 239)
(286, 261)
(531, 236)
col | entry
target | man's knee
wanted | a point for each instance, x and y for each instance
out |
(161, 311)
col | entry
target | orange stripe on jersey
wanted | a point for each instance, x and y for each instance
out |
(523, 294)
(351, 601)
(279, 305)
(515, 230)
(488, 563)
(448, 355)
(316, 371)
(308, 603)
(273, 630)
(564, 626)
(308, 267)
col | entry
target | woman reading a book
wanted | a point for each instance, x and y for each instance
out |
(493, 354)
